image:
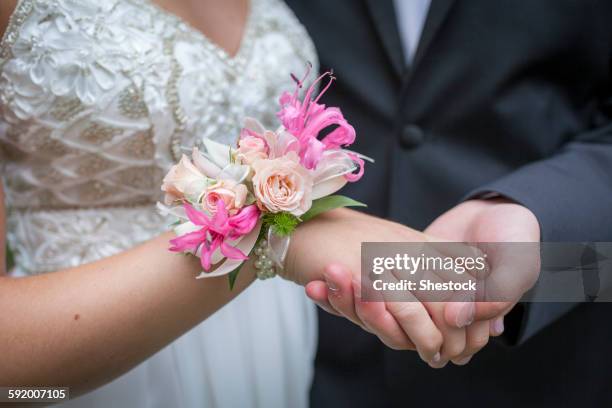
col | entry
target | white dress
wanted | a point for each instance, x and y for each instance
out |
(97, 99)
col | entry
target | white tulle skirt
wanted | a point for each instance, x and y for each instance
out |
(257, 351)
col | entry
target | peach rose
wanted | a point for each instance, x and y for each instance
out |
(251, 148)
(234, 196)
(282, 185)
(183, 181)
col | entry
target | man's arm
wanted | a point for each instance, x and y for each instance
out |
(570, 195)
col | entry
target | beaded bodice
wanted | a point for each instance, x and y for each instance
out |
(99, 97)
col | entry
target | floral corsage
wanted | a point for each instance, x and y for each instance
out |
(232, 202)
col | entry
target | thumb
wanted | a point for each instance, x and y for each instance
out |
(462, 314)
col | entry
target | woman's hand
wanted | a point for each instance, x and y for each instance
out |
(336, 236)
(461, 338)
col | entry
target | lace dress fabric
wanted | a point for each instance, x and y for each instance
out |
(99, 99)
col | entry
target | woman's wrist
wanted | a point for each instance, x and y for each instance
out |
(293, 269)
(313, 242)
(288, 271)
(302, 263)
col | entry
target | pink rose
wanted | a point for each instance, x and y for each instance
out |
(251, 148)
(232, 194)
(282, 185)
(183, 181)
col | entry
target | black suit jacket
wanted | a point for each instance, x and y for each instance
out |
(505, 96)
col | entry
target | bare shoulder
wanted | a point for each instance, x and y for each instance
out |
(6, 9)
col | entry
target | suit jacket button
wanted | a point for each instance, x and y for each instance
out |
(411, 136)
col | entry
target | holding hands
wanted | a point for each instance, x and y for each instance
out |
(439, 331)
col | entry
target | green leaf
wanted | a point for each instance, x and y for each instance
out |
(329, 203)
(263, 232)
(232, 276)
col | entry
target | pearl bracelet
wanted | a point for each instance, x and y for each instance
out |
(270, 255)
(265, 268)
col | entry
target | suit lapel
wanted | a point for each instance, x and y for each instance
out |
(438, 11)
(383, 14)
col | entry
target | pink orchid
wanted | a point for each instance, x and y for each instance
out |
(306, 119)
(215, 232)
(277, 144)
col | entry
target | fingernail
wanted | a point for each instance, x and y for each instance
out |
(465, 317)
(436, 358)
(438, 364)
(498, 326)
(330, 284)
(463, 361)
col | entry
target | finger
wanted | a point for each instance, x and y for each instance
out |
(477, 336)
(425, 294)
(317, 292)
(430, 288)
(514, 270)
(340, 291)
(380, 322)
(496, 326)
(433, 270)
(491, 310)
(459, 314)
(418, 326)
(415, 321)
(461, 250)
(454, 339)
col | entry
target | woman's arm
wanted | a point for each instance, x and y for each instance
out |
(84, 326)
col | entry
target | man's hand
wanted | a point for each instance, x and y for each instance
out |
(493, 220)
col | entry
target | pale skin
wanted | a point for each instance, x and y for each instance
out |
(116, 312)
(412, 325)
(495, 220)
(113, 313)
(223, 22)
